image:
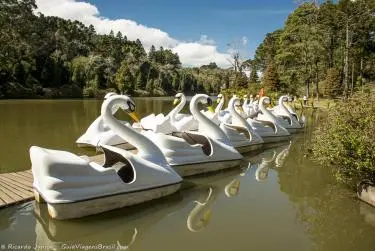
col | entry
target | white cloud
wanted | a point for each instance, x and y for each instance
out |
(205, 40)
(197, 53)
(244, 40)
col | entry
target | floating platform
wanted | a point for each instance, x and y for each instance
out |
(16, 188)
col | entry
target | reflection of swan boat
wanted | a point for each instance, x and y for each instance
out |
(119, 225)
(268, 126)
(368, 212)
(200, 216)
(270, 158)
(122, 227)
(75, 187)
(280, 158)
(233, 188)
(262, 171)
(366, 192)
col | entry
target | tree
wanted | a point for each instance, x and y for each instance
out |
(332, 83)
(270, 79)
(125, 80)
(299, 54)
(151, 53)
(267, 50)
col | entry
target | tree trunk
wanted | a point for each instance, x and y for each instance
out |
(352, 85)
(317, 80)
(308, 88)
(346, 60)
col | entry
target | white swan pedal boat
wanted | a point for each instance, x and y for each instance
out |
(285, 112)
(268, 128)
(281, 120)
(174, 121)
(197, 152)
(239, 132)
(98, 133)
(74, 186)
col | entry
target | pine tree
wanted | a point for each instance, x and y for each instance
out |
(332, 83)
(139, 82)
(151, 53)
(253, 76)
(271, 80)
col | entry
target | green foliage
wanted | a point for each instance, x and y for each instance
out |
(270, 79)
(332, 83)
(125, 80)
(346, 140)
(49, 53)
(314, 40)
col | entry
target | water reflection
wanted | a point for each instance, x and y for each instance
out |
(122, 227)
(298, 206)
(233, 188)
(126, 227)
(200, 215)
(270, 158)
(368, 213)
(333, 217)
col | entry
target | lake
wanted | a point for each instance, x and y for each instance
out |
(277, 200)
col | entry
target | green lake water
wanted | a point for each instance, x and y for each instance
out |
(277, 200)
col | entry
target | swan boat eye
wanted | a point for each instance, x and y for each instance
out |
(209, 102)
(131, 106)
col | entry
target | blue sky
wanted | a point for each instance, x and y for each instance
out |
(199, 30)
(221, 20)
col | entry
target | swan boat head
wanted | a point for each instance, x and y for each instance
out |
(269, 116)
(220, 103)
(206, 126)
(239, 122)
(98, 131)
(179, 98)
(284, 111)
(180, 121)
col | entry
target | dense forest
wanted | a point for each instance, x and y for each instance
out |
(323, 49)
(326, 49)
(51, 57)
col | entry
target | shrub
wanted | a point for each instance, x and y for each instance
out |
(89, 92)
(346, 140)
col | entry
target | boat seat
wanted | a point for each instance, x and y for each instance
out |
(194, 139)
(286, 118)
(294, 115)
(122, 166)
(267, 123)
(241, 130)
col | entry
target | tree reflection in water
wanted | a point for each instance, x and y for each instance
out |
(330, 212)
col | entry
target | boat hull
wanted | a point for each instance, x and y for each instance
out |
(63, 211)
(125, 146)
(206, 167)
(249, 148)
(274, 139)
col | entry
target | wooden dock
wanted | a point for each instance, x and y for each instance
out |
(16, 188)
